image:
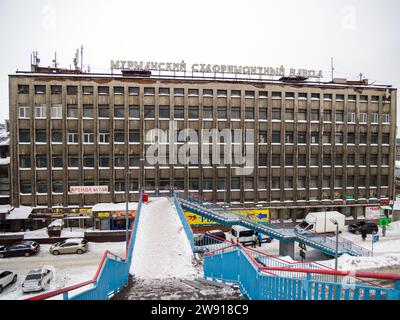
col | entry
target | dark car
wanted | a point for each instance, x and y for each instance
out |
(210, 237)
(22, 248)
(367, 227)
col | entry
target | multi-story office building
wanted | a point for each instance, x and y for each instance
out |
(317, 145)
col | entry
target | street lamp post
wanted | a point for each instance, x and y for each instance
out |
(337, 242)
(126, 208)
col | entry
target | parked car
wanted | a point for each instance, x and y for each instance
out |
(359, 227)
(6, 278)
(203, 240)
(37, 280)
(22, 248)
(77, 245)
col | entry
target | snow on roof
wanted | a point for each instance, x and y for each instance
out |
(4, 161)
(22, 212)
(114, 206)
(56, 223)
(73, 240)
(5, 208)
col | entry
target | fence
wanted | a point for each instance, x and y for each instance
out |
(270, 279)
(111, 276)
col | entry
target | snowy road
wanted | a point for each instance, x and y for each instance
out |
(161, 249)
(69, 269)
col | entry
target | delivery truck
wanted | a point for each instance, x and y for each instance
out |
(321, 222)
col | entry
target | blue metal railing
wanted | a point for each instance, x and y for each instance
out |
(235, 265)
(185, 223)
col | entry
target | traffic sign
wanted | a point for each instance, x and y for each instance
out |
(376, 238)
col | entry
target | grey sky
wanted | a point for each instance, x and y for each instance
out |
(361, 35)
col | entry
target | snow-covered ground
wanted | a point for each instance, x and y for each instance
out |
(69, 269)
(161, 249)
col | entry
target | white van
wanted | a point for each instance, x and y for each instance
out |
(321, 222)
(245, 235)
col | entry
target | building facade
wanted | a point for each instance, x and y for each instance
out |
(317, 145)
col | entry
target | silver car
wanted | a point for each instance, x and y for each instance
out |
(7, 278)
(37, 280)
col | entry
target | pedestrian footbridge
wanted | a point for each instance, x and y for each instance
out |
(286, 235)
(258, 275)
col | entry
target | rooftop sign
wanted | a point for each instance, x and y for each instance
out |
(215, 68)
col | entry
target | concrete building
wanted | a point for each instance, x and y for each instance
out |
(318, 145)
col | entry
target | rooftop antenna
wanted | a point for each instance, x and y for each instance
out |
(332, 68)
(55, 60)
(76, 59)
(361, 76)
(82, 57)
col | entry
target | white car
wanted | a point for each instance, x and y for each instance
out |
(6, 278)
(37, 280)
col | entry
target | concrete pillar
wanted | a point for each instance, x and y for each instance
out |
(286, 248)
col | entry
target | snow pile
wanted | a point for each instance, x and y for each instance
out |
(347, 262)
(394, 226)
(161, 249)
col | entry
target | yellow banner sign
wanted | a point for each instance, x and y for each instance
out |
(257, 215)
(103, 214)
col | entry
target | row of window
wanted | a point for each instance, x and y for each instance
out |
(221, 183)
(134, 136)
(57, 161)
(135, 91)
(207, 113)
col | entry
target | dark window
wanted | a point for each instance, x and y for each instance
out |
(340, 97)
(207, 112)
(302, 160)
(302, 115)
(119, 136)
(119, 90)
(363, 138)
(289, 160)
(179, 92)
(164, 112)
(40, 89)
(249, 113)
(41, 135)
(134, 161)
(276, 95)
(104, 111)
(134, 111)
(56, 89)
(163, 91)
(119, 161)
(328, 96)
(193, 92)
(235, 93)
(72, 90)
(249, 94)
(56, 135)
(104, 91)
(26, 187)
(149, 112)
(208, 92)
(24, 135)
(119, 111)
(374, 138)
(133, 91)
(57, 161)
(73, 161)
(23, 89)
(351, 160)
(327, 160)
(88, 161)
(24, 161)
(179, 112)
(262, 160)
(339, 160)
(41, 161)
(149, 91)
(88, 110)
(276, 160)
(263, 94)
(235, 183)
(351, 138)
(222, 114)
(276, 137)
(262, 113)
(289, 137)
(302, 137)
(221, 93)
(302, 95)
(315, 96)
(385, 138)
(72, 111)
(193, 112)
(104, 160)
(235, 113)
(276, 114)
(41, 187)
(134, 135)
(88, 90)
(327, 115)
(314, 137)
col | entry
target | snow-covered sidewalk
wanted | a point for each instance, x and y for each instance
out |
(161, 249)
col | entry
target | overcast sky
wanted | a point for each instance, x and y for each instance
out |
(361, 35)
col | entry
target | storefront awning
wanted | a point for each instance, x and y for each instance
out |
(386, 208)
